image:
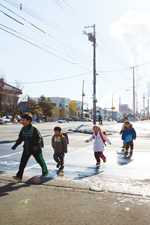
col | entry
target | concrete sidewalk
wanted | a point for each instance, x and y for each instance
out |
(67, 203)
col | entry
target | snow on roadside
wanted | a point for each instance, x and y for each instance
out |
(114, 128)
(142, 128)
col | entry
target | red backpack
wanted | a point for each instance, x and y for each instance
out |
(102, 137)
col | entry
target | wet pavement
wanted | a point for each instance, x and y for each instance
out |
(116, 175)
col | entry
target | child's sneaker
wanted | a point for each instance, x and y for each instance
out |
(58, 164)
(98, 165)
(17, 178)
(130, 155)
(44, 174)
(62, 167)
(104, 160)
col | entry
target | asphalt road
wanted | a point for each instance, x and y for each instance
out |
(117, 193)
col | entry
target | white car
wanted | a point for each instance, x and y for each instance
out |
(1, 121)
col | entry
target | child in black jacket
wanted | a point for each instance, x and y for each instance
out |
(32, 146)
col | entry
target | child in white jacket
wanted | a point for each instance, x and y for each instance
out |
(98, 146)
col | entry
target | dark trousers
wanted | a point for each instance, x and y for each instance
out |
(24, 159)
(128, 145)
(100, 122)
(59, 157)
(99, 155)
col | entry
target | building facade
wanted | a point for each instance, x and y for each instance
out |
(9, 96)
(75, 109)
(60, 107)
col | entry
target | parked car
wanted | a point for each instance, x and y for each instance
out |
(18, 118)
(61, 121)
(74, 119)
(1, 121)
(6, 120)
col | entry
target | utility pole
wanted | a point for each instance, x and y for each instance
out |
(148, 108)
(92, 38)
(82, 99)
(112, 106)
(133, 93)
(143, 105)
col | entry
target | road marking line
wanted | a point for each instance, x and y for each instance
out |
(37, 165)
(5, 156)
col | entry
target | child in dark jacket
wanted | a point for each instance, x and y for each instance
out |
(59, 145)
(128, 135)
(122, 128)
(32, 146)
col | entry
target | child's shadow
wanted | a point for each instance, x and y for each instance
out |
(122, 160)
(14, 185)
(89, 172)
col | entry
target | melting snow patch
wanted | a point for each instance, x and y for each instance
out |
(95, 189)
(89, 129)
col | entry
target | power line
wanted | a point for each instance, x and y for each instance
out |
(84, 58)
(41, 18)
(113, 71)
(68, 9)
(108, 47)
(45, 81)
(127, 68)
(38, 47)
(76, 64)
(16, 5)
(142, 64)
(112, 57)
(25, 36)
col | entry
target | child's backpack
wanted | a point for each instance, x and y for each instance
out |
(66, 136)
(104, 132)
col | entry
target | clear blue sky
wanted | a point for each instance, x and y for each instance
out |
(122, 33)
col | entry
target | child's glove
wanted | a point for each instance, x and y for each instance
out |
(86, 141)
(13, 147)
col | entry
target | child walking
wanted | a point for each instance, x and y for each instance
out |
(59, 145)
(98, 147)
(32, 146)
(128, 135)
(122, 128)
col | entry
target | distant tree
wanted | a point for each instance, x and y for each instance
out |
(32, 106)
(45, 105)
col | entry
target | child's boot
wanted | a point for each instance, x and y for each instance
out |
(58, 164)
(17, 178)
(62, 166)
(126, 153)
(131, 153)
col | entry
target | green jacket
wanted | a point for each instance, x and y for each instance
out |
(31, 138)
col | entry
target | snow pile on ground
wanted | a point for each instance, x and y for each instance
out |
(114, 128)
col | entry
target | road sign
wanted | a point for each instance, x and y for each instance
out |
(113, 108)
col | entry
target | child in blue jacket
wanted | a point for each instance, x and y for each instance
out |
(128, 135)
